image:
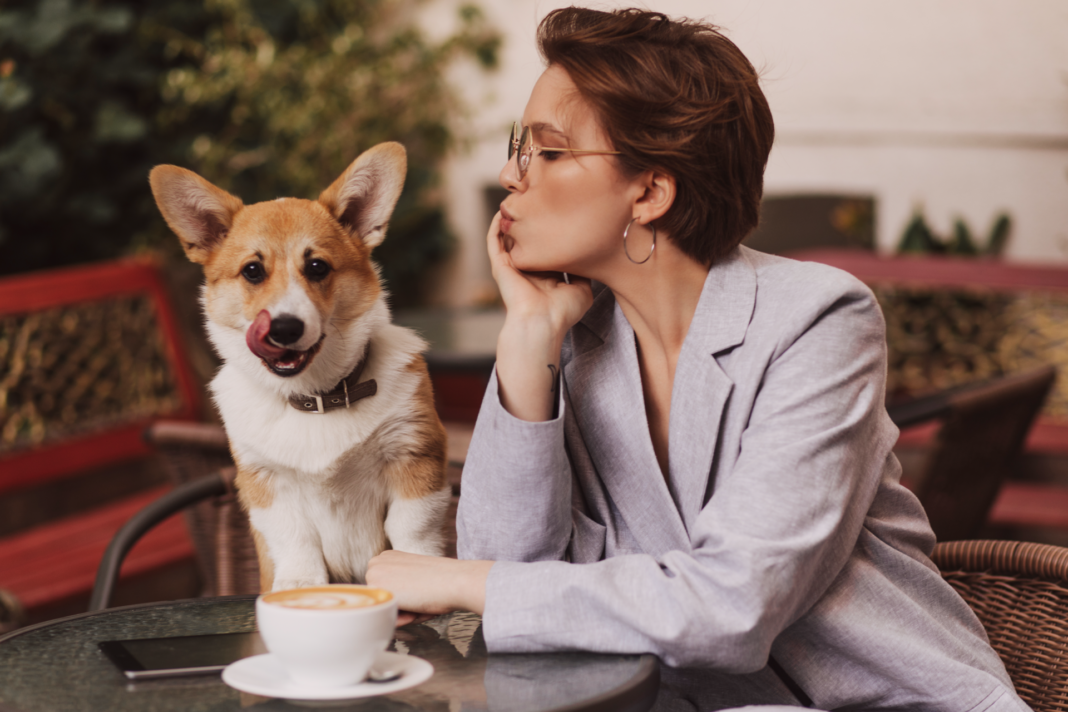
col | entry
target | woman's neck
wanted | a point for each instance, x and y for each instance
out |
(659, 298)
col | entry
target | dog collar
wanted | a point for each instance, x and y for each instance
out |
(348, 391)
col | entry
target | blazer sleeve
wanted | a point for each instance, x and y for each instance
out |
(517, 487)
(778, 528)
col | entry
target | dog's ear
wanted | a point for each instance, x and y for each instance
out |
(198, 212)
(363, 198)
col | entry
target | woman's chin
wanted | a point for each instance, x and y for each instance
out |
(527, 262)
(523, 262)
(539, 268)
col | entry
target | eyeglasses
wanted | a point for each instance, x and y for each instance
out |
(523, 144)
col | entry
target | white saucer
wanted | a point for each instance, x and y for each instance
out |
(263, 675)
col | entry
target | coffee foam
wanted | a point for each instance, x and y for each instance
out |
(326, 598)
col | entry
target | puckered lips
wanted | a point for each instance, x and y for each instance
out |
(280, 360)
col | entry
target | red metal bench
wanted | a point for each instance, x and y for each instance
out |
(89, 356)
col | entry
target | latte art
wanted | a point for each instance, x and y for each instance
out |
(326, 598)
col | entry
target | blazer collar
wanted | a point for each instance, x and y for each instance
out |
(723, 313)
(726, 304)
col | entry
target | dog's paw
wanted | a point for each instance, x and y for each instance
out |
(286, 584)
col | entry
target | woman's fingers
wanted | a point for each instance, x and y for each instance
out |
(408, 618)
(410, 578)
(493, 243)
(429, 584)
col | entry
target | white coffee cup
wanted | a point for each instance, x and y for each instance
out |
(327, 636)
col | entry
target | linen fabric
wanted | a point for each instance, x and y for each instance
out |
(781, 528)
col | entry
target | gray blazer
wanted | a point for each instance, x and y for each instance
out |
(781, 530)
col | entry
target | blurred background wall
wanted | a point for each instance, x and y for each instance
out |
(958, 109)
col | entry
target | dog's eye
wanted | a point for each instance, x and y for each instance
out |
(316, 270)
(254, 272)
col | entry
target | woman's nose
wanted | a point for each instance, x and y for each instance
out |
(509, 177)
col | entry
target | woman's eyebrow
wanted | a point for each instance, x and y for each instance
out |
(541, 127)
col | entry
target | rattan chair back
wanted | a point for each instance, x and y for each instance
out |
(219, 526)
(1019, 591)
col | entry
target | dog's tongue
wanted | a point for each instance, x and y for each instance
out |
(256, 337)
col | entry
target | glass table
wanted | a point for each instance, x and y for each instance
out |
(57, 666)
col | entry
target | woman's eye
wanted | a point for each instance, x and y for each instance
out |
(551, 155)
(315, 270)
(254, 272)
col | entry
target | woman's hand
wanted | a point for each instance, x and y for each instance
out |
(543, 295)
(430, 584)
(540, 307)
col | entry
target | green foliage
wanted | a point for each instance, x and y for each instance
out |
(919, 238)
(263, 97)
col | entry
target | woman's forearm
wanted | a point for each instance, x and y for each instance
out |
(528, 361)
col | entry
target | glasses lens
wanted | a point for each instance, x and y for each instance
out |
(513, 142)
(526, 149)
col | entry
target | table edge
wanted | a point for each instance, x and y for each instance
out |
(89, 614)
(636, 695)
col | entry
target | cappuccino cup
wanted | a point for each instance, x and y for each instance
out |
(327, 636)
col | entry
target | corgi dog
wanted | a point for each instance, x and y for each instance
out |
(327, 405)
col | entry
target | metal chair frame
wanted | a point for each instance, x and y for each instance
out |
(985, 426)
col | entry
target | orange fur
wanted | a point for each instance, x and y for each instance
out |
(421, 469)
(264, 558)
(253, 491)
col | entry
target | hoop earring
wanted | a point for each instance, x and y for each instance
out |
(651, 248)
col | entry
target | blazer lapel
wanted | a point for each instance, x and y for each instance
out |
(604, 384)
(702, 389)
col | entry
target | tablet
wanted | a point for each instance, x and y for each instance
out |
(150, 658)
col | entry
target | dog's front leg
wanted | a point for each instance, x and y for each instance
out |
(287, 543)
(288, 548)
(416, 524)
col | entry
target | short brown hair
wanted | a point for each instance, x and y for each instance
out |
(678, 97)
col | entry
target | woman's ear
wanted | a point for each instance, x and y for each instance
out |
(657, 197)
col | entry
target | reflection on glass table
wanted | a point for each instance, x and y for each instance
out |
(58, 666)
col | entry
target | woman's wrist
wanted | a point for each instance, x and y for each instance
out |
(528, 361)
(470, 581)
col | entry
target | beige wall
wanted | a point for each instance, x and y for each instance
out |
(958, 105)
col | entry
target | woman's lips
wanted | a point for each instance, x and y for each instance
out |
(506, 221)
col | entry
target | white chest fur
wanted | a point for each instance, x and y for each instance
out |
(267, 433)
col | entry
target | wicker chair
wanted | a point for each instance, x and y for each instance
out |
(217, 524)
(1019, 591)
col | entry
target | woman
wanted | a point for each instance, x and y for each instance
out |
(684, 449)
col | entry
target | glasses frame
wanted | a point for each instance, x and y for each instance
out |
(522, 147)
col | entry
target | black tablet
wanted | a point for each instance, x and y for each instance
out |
(150, 658)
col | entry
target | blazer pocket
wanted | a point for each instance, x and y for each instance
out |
(587, 539)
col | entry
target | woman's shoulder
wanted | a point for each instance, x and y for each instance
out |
(796, 279)
(792, 297)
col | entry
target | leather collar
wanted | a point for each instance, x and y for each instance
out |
(346, 392)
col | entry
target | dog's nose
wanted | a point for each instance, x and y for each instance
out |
(286, 330)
